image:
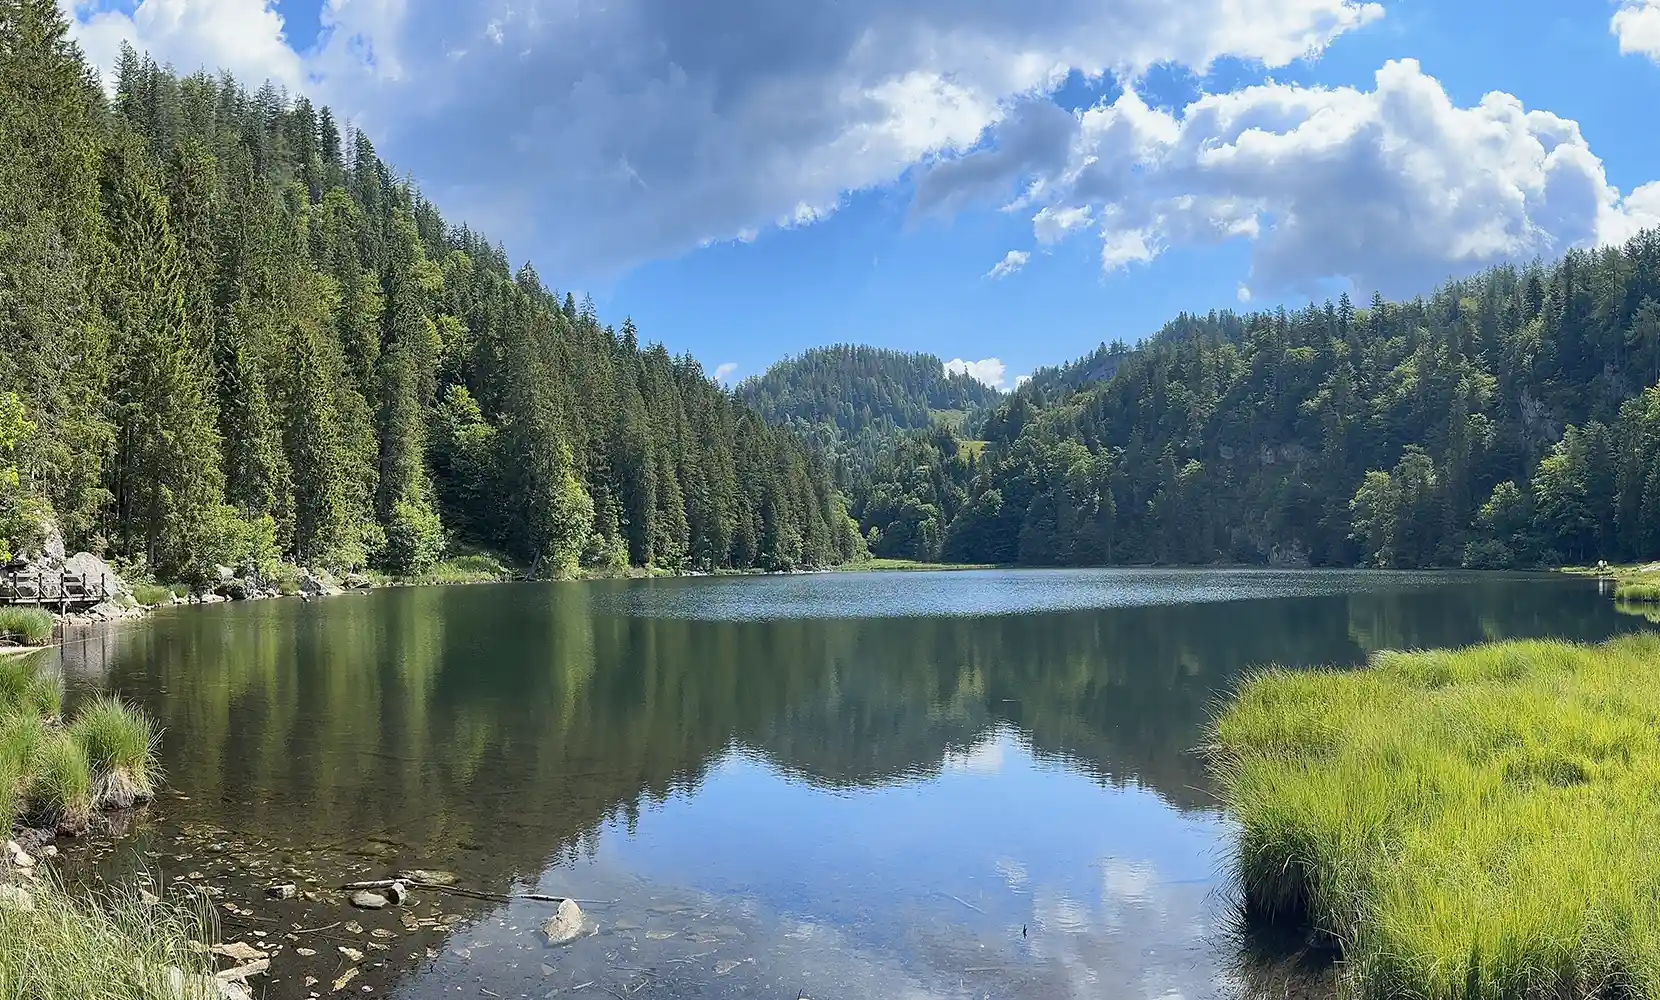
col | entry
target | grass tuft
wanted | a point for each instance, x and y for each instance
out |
(25, 626)
(152, 594)
(24, 687)
(1638, 593)
(59, 784)
(120, 746)
(1477, 824)
(112, 947)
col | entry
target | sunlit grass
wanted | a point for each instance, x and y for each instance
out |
(24, 687)
(1471, 824)
(120, 746)
(152, 594)
(25, 626)
(476, 568)
(59, 784)
(1638, 593)
(113, 947)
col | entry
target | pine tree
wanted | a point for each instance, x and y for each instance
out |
(166, 477)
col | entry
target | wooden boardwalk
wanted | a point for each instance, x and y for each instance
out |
(23, 585)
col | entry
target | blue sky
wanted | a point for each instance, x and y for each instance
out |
(766, 176)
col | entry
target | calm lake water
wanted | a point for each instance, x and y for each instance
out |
(941, 785)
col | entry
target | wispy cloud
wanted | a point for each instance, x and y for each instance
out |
(1011, 263)
(725, 372)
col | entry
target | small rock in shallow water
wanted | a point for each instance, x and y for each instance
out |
(725, 965)
(238, 951)
(354, 927)
(242, 972)
(367, 900)
(283, 891)
(397, 893)
(305, 952)
(565, 925)
(351, 953)
(431, 877)
(382, 932)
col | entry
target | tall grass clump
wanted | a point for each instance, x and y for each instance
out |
(120, 746)
(1473, 825)
(25, 626)
(25, 688)
(113, 947)
(58, 784)
(152, 594)
(1644, 593)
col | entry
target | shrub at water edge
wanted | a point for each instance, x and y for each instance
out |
(120, 746)
(1478, 825)
(25, 626)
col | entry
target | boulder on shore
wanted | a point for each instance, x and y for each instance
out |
(318, 583)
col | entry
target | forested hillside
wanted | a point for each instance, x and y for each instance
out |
(233, 333)
(869, 410)
(1508, 419)
(849, 398)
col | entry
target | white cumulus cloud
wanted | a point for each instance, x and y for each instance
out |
(598, 135)
(1011, 263)
(991, 371)
(1392, 188)
(726, 371)
(1637, 26)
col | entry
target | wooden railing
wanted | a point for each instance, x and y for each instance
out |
(43, 587)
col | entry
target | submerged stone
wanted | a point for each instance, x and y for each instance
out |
(367, 900)
(565, 925)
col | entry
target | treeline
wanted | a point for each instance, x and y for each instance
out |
(1511, 419)
(235, 335)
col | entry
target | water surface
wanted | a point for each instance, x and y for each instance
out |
(941, 785)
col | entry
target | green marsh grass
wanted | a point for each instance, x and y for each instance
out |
(25, 626)
(110, 947)
(152, 594)
(58, 784)
(1480, 824)
(1637, 593)
(24, 687)
(120, 746)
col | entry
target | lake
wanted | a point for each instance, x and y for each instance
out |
(905, 785)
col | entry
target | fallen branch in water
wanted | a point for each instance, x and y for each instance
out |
(314, 930)
(490, 897)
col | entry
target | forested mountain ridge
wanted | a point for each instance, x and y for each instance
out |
(236, 336)
(853, 389)
(1509, 419)
(870, 409)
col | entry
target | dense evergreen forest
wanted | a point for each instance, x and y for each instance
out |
(867, 409)
(852, 401)
(235, 335)
(1511, 419)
